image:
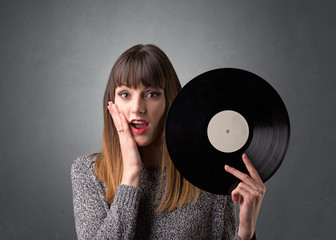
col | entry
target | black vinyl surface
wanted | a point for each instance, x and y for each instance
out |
(202, 98)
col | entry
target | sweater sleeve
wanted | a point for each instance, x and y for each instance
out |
(94, 219)
(230, 219)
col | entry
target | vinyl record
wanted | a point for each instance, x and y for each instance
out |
(218, 116)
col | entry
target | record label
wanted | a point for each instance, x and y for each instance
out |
(228, 131)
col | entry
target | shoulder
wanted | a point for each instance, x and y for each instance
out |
(82, 164)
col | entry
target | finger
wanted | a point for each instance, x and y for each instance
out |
(114, 112)
(242, 191)
(235, 195)
(117, 116)
(253, 172)
(240, 175)
(123, 123)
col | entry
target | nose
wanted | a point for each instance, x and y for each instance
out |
(138, 105)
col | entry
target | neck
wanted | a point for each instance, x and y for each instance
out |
(151, 155)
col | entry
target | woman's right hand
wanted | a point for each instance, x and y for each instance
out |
(131, 158)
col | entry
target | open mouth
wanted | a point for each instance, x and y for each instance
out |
(139, 124)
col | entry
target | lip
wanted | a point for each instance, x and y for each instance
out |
(139, 131)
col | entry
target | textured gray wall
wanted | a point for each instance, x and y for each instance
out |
(55, 60)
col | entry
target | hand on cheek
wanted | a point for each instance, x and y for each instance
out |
(132, 164)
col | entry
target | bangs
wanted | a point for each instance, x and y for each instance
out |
(140, 69)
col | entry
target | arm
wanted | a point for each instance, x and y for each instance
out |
(93, 218)
(132, 164)
(230, 231)
(249, 193)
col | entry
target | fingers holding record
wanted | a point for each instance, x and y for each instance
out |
(252, 171)
(240, 175)
(252, 180)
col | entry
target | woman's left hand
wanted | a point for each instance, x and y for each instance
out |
(249, 193)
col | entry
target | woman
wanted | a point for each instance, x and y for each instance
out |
(131, 190)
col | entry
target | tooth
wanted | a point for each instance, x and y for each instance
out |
(138, 122)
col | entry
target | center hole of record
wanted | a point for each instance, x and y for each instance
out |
(228, 131)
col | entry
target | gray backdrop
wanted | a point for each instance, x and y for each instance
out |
(55, 60)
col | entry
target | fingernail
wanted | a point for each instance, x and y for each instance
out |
(113, 106)
(227, 167)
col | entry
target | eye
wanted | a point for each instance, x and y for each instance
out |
(153, 94)
(123, 94)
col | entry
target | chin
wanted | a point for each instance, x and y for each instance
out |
(146, 141)
(142, 143)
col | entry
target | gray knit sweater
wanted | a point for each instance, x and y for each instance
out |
(132, 214)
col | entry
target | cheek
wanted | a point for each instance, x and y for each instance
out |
(160, 110)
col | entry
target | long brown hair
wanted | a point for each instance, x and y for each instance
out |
(147, 65)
